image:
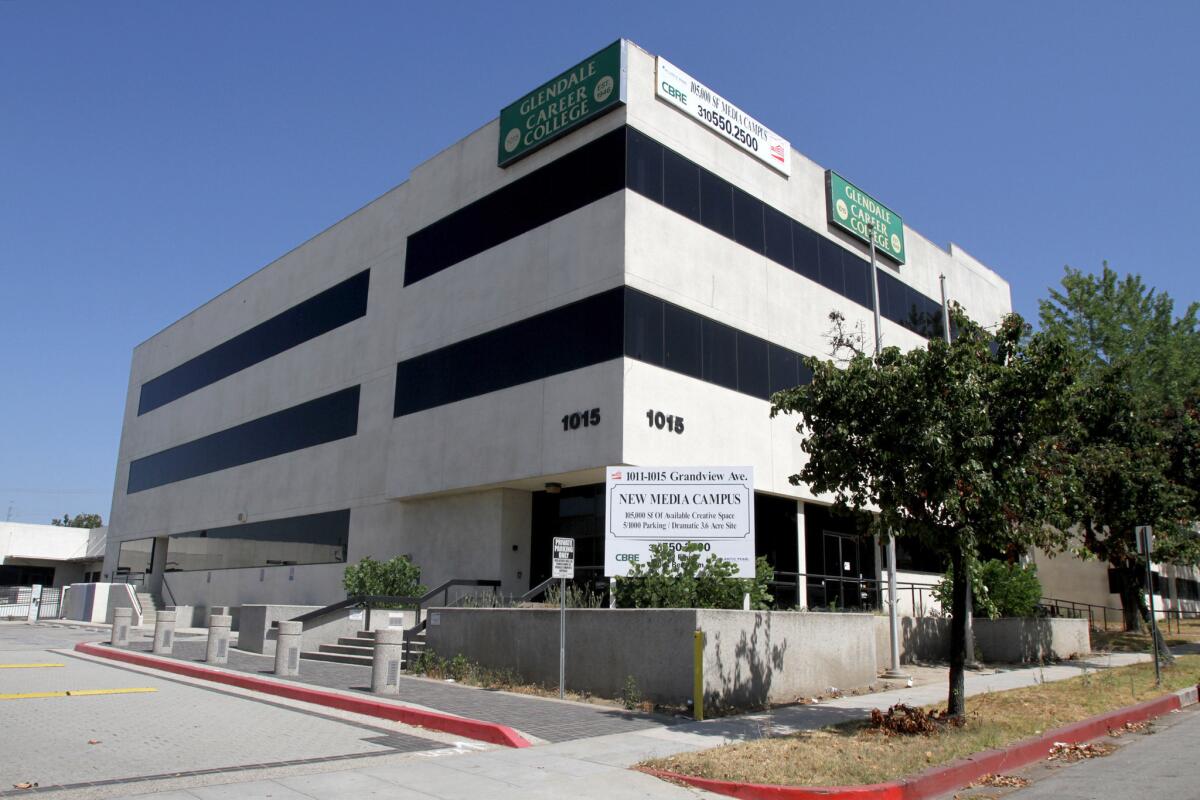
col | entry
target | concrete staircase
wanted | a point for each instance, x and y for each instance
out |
(359, 649)
(151, 605)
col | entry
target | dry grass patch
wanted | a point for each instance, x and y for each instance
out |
(1124, 642)
(855, 754)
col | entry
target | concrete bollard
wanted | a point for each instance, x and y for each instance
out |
(217, 651)
(164, 632)
(287, 648)
(122, 619)
(385, 667)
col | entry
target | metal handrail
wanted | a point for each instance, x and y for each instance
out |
(538, 590)
(379, 601)
(916, 591)
(170, 594)
(1077, 608)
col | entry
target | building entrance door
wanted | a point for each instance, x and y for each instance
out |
(843, 571)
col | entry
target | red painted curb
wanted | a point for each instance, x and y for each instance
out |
(479, 730)
(940, 780)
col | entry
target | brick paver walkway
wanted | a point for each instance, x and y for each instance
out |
(546, 719)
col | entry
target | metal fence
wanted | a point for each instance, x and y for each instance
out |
(50, 606)
(1101, 617)
(16, 601)
(847, 593)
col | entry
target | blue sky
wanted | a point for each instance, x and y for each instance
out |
(153, 154)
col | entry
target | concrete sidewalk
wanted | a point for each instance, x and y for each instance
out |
(540, 718)
(597, 767)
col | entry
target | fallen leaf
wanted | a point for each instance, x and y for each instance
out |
(93, 741)
(992, 779)
(1061, 751)
(25, 785)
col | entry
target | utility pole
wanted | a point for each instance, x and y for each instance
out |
(893, 614)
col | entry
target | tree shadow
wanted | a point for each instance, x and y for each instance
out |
(746, 670)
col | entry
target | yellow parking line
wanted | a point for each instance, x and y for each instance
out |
(74, 693)
(28, 666)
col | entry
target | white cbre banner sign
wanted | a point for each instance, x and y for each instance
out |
(711, 506)
(716, 113)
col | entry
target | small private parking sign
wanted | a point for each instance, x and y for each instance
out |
(563, 558)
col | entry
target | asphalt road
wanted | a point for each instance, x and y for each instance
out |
(1165, 764)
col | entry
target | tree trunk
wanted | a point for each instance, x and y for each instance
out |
(956, 702)
(1131, 581)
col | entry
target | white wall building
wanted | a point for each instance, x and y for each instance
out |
(407, 381)
(50, 555)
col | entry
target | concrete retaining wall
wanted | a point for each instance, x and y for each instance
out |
(755, 657)
(258, 631)
(999, 641)
(749, 657)
(604, 646)
(1025, 640)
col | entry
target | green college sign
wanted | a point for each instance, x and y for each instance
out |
(852, 210)
(582, 93)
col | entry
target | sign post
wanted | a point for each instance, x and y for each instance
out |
(1145, 545)
(563, 564)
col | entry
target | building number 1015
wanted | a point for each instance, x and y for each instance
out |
(670, 422)
(589, 418)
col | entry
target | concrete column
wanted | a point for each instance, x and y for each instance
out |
(801, 555)
(287, 648)
(35, 601)
(122, 619)
(217, 651)
(164, 632)
(385, 669)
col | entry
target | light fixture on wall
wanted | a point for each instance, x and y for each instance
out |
(553, 488)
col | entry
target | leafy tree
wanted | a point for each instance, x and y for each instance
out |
(1000, 589)
(954, 444)
(1138, 430)
(678, 579)
(398, 577)
(79, 521)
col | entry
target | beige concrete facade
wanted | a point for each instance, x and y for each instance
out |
(451, 486)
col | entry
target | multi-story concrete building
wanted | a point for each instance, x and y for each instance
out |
(447, 372)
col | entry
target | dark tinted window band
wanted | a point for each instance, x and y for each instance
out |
(599, 328)
(627, 158)
(325, 419)
(308, 539)
(321, 313)
(582, 176)
(570, 337)
(667, 178)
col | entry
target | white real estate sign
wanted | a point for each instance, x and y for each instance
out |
(716, 113)
(711, 506)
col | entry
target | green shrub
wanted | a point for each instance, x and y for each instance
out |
(398, 577)
(631, 694)
(999, 589)
(677, 579)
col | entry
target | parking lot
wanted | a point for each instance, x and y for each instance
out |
(97, 729)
